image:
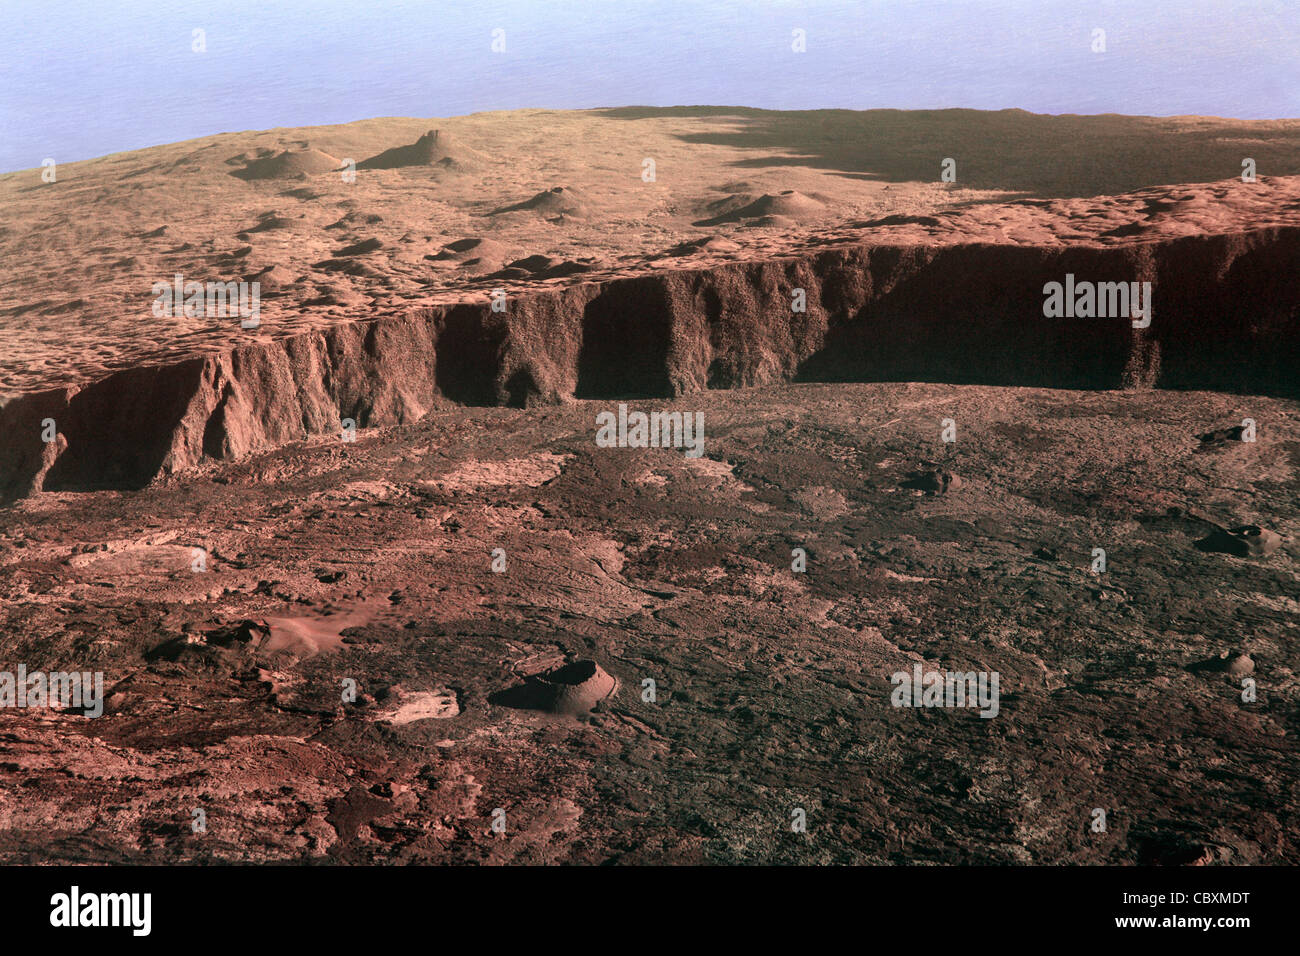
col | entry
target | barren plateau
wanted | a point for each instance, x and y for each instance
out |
(363, 584)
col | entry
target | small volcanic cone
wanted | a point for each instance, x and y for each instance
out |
(936, 481)
(288, 164)
(271, 279)
(786, 205)
(558, 201)
(364, 247)
(1243, 541)
(1234, 663)
(434, 148)
(473, 256)
(705, 244)
(474, 247)
(570, 689)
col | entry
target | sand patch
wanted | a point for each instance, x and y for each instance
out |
(821, 502)
(439, 704)
(307, 635)
(528, 472)
(716, 473)
(152, 555)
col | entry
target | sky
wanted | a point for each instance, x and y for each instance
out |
(84, 78)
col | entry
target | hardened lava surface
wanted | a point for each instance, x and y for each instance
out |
(231, 608)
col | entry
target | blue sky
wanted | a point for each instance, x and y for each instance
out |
(81, 79)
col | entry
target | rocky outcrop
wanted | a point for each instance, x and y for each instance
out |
(1225, 315)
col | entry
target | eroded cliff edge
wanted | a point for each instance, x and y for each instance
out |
(1224, 316)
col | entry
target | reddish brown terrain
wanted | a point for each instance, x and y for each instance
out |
(500, 587)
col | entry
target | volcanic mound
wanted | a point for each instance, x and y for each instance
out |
(559, 201)
(788, 205)
(474, 255)
(434, 148)
(288, 165)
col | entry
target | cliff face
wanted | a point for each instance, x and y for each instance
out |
(1225, 315)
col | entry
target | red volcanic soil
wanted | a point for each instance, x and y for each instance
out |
(372, 561)
(365, 579)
